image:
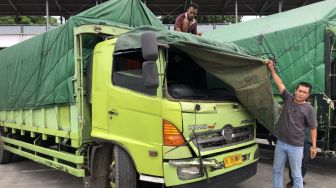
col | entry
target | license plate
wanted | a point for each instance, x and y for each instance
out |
(233, 160)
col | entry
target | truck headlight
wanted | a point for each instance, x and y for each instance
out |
(187, 173)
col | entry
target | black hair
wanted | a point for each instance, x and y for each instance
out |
(193, 5)
(305, 84)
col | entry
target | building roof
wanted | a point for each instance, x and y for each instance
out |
(158, 7)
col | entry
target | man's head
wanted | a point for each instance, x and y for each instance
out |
(302, 92)
(192, 11)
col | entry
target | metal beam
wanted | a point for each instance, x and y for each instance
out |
(236, 10)
(261, 9)
(60, 9)
(13, 5)
(280, 5)
(304, 3)
(34, 7)
(58, 6)
(251, 9)
(47, 15)
(225, 6)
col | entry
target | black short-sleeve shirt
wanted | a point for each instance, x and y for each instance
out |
(294, 119)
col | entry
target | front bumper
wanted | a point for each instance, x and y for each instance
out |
(220, 176)
(225, 180)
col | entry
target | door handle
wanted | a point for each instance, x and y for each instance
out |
(112, 113)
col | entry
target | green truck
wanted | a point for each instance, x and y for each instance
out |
(99, 99)
(303, 43)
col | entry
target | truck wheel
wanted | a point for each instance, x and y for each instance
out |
(100, 168)
(123, 173)
(5, 156)
(15, 157)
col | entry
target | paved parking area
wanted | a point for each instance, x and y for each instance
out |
(321, 173)
(27, 174)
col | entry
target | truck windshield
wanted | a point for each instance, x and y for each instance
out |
(187, 80)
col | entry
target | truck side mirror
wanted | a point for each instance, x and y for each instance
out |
(150, 74)
(149, 46)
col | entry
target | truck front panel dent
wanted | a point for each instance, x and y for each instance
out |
(172, 179)
(228, 179)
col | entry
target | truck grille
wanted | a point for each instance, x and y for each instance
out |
(227, 136)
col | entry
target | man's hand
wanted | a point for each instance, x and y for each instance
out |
(185, 25)
(313, 136)
(313, 152)
(270, 65)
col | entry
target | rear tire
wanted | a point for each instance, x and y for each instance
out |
(15, 157)
(5, 156)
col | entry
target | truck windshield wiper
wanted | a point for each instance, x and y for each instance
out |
(202, 169)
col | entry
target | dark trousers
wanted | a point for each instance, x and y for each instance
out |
(305, 160)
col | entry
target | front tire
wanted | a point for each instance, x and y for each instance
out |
(123, 173)
(112, 167)
(100, 168)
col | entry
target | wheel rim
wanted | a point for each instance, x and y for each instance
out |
(113, 174)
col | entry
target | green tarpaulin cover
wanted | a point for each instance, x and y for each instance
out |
(246, 74)
(39, 71)
(296, 38)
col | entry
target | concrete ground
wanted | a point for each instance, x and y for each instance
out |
(28, 174)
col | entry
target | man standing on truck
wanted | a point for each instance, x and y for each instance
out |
(186, 22)
(296, 115)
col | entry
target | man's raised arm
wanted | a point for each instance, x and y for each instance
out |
(276, 78)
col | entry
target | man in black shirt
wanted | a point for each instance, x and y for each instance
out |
(295, 117)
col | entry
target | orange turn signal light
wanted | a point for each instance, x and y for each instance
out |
(171, 135)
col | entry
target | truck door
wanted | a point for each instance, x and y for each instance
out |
(134, 111)
(99, 97)
(131, 105)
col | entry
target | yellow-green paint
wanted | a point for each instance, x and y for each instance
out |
(45, 151)
(182, 152)
(216, 115)
(53, 164)
(171, 111)
(53, 121)
(138, 125)
(139, 151)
